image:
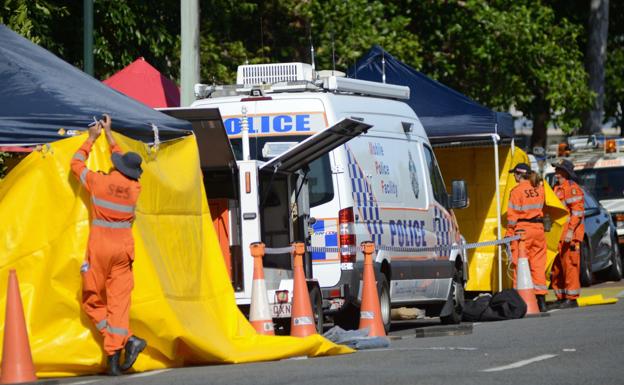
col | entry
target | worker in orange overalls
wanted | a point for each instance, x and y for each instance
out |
(107, 279)
(565, 275)
(525, 212)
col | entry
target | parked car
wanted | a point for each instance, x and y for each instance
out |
(600, 252)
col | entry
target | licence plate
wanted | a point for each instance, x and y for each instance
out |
(280, 310)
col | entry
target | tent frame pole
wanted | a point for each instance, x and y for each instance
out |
(495, 139)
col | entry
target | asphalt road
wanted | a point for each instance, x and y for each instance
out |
(574, 346)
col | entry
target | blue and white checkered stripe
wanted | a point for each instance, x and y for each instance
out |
(442, 229)
(324, 238)
(364, 200)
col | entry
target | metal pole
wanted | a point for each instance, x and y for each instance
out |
(245, 133)
(495, 139)
(189, 57)
(88, 36)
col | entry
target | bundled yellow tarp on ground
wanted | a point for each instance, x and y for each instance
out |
(183, 303)
(478, 222)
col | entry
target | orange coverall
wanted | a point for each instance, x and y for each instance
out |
(525, 212)
(107, 279)
(565, 275)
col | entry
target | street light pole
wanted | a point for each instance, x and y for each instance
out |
(88, 36)
(189, 57)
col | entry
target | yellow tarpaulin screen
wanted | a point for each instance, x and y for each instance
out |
(183, 303)
(478, 222)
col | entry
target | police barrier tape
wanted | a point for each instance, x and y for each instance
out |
(352, 249)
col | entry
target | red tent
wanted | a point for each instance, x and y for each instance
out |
(144, 83)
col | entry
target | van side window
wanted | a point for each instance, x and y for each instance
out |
(437, 183)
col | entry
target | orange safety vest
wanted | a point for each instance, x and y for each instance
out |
(572, 196)
(113, 196)
(526, 204)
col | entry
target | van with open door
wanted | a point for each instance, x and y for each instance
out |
(383, 186)
(256, 201)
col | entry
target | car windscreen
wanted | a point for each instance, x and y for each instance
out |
(603, 183)
(320, 183)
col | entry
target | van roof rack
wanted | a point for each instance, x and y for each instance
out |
(260, 79)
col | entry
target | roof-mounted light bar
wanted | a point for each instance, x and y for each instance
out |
(365, 87)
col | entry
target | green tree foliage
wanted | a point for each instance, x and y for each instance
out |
(500, 52)
(506, 53)
(34, 19)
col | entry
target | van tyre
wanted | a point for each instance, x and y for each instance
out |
(585, 265)
(316, 300)
(383, 289)
(457, 297)
(614, 273)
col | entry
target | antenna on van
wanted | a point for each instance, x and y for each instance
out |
(333, 53)
(383, 67)
(311, 48)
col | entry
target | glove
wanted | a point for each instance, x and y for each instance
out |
(568, 237)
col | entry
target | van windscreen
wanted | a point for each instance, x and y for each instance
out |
(319, 178)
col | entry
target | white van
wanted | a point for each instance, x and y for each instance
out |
(383, 186)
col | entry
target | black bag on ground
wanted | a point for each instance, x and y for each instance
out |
(501, 306)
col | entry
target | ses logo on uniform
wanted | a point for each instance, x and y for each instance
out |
(276, 124)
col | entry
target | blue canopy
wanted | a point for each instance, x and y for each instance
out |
(41, 94)
(445, 113)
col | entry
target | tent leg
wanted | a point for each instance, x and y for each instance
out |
(495, 139)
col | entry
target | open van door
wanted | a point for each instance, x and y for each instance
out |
(317, 145)
(295, 161)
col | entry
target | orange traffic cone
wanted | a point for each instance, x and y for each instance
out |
(17, 364)
(259, 311)
(370, 310)
(302, 318)
(524, 283)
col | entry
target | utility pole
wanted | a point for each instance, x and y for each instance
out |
(189, 57)
(88, 36)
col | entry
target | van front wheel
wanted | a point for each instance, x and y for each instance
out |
(457, 297)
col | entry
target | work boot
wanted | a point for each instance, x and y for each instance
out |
(541, 303)
(134, 346)
(555, 305)
(568, 304)
(113, 364)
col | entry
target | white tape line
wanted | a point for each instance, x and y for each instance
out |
(439, 348)
(147, 374)
(83, 382)
(521, 363)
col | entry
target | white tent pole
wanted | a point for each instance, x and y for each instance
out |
(495, 139)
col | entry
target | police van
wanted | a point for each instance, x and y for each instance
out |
(383, 186)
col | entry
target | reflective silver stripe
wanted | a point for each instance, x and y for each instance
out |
(101, 325)
(512, 222)
(573, 292)
(79, 156)
(578, 213)
(83, 176)
(526, 207)
(112, 225)
(119, 331)
(112, 206)
(574, 199)
(559, 291)
(541, 287)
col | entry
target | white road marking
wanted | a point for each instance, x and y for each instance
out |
(150, 373)
(569, 350)
(83, 382)
(414, 349)
(521, 363)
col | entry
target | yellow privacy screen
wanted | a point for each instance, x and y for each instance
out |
(182, 304)
(478, 222)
